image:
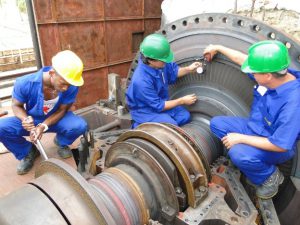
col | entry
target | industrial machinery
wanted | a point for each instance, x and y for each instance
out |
(160, 173)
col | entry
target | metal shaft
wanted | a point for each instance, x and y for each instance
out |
(41, 149)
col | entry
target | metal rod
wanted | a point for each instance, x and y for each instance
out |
(41, 149)
(108, 126)
(34, 34)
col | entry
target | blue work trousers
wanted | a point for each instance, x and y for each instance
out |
(177, 116)
(255, 163)
(67, 130)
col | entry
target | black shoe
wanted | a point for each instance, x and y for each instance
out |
(63, 151)
(26, 163)
(270, 187)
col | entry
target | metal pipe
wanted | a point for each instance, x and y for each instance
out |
(108, 126)
(41, 149)
(34, 34)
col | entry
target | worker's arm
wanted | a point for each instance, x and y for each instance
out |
(185, 100)
(54, 118)
(20, 112)
(182, 71)
(234, 55)
(232, 139)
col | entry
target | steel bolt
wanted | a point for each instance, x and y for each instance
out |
(178, 190)
(202, 189)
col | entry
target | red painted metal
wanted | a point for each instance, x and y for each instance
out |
(104, 33)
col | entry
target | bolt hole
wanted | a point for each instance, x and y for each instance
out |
(184, 23)
(288, 45)
(210, 19)
(246, 214)
(241, 23)
(256, 28)
(164, 32)
(173, 27)
(197, 20)
(225, 20)
(272, 35)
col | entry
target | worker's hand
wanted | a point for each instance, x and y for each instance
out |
(211, 50)
(188, 99)
(36, 133)
(194, 66)
(232, 139)
(28, 124)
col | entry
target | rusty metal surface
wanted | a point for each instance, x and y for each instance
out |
(213, 210)
(129, 8)
(101, 32)
(180, 152)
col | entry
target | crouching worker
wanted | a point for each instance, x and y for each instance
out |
(41, 102)
(147, 95)
(268, 136)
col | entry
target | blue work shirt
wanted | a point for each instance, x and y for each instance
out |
(276, 114)
(28, 89)
(148, 90)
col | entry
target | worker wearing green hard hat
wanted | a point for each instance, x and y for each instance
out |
(269, 135)
(157, 47)
(147, 95)
(266, 57)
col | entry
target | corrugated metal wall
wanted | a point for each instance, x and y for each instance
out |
(104, 33)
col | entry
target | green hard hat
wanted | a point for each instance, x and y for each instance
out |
(266, 57)
(156, 46)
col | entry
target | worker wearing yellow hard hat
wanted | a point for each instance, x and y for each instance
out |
(41, 102)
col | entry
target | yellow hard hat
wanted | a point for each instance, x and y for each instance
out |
(68, 65)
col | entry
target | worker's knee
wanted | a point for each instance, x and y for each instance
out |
(240, 157)
(76, 128)
(80, 126)
(184, 118)
(217, 126)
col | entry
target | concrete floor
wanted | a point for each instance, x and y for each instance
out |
(9, 179)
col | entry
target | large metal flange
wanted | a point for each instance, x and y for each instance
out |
(71, 193)
(134, 156)
(237, 31)
(181, 153)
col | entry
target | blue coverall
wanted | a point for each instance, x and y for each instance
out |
(274, 115)
(147, 93)
(29, 90)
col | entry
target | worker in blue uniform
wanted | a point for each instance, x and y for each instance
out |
(147, 95)
(41, 102)
(268, 136)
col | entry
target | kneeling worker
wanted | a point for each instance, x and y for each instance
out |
(147, 95)
(41, 102)
(269, 135)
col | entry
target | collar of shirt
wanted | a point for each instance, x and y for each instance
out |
(150, 70)
(287, 86)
